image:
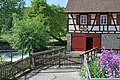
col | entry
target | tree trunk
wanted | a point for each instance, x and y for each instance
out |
(58, 39)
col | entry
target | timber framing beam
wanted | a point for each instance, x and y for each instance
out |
(73, 22)
(114, 22)
(94, 22)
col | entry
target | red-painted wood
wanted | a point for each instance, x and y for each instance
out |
(109, 19)
(79, 41)
(89, 19)
(96, 42)
(98, 19)
(77, 19)
(118, 19)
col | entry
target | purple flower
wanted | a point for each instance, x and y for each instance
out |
(110, 62)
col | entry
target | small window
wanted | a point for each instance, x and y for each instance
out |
(103, 19)
(83, 19)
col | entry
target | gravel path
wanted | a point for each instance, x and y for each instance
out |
(53, 74)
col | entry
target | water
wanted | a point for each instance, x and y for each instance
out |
(6, 56)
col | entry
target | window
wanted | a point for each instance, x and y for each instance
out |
(103, 19)
(83, 19)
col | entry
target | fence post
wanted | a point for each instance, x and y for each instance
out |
(32, 61)
(59, 58)
(87, 56)
(30, 56)
(96, 50)
(91, 55)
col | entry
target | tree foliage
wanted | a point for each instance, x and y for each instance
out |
(7, 7)
(30, 31)
(55, 17)
(29, 34)
(57, 21)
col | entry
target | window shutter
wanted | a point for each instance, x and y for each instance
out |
(77, 19)
(109, 20)
(89, 19)
(118, 19)
(98, 19)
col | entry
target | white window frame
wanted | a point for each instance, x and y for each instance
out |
(103, 19)
(83, 19)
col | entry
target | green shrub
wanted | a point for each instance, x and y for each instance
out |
(95, 70)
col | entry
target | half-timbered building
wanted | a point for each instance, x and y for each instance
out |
(93, 23)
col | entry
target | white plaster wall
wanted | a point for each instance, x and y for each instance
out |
(95, 28)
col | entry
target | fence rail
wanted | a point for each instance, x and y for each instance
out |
(48, 58)
(35, 60)
(10, 70)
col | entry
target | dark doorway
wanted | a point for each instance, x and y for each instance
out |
(89, 43)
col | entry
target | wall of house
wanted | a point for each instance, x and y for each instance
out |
(110, 41)
(72, 24)
(77, 39)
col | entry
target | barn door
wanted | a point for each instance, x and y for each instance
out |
(89, 43)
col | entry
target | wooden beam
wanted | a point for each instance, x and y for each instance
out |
(73, 22)
(107, 22)
(94, 22)
(114, 22)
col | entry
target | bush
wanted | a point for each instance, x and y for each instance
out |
(95, 70)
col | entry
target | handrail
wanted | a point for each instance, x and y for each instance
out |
(86, 52)
(87, 72)
(45, 57)
(48, 51)
(88, 56)
(11, 70)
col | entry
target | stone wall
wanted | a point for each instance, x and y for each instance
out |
(68, 41)
(110, 41)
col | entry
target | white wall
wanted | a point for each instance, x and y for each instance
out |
(95, 28)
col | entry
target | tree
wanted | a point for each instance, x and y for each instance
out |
(57, 22)
(55, 18)
(7, 7)
(29, 34)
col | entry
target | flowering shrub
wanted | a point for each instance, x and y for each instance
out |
(110, 63)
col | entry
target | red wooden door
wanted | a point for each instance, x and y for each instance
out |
(78, 42)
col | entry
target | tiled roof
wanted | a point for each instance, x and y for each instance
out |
(80, 6)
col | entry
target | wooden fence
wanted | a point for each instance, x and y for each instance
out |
(48, 58)
(10, 70)
(35, 60)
